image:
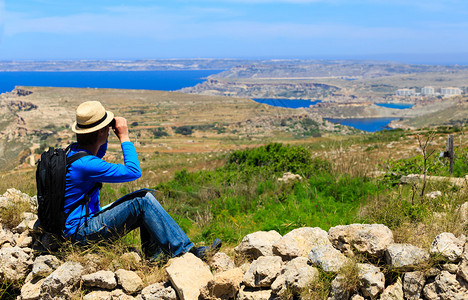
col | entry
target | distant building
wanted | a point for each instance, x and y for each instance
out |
(450, 91)
(427, 91)
(404, 92)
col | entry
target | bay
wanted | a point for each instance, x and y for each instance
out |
(287, 103)
(395, 105)
(146, 80)
(365, 124)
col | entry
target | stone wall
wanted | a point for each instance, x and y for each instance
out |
(275, 267)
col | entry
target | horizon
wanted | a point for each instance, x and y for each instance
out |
(419, 32)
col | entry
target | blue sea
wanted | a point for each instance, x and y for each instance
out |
(395, 105)
(286, 103)
(369, 125)
(145, 80)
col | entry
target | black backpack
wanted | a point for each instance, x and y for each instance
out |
(50, 180)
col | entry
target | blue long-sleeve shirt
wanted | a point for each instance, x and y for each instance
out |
(88, 170)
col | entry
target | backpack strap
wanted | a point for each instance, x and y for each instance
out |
(97, 185)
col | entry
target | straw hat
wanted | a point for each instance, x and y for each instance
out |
(91, 116)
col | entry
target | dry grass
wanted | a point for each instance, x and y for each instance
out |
(12, 215)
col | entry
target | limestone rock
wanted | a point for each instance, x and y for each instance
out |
(188, 274)
(221, 262)
(254, 295)
(298, 242)
(120, 295)
(446, 287)
(447, 246)
(101, 279)
(451, 268)
(31, 290)
(129, 280)
(463, 265)
(393, 292)
(263, 271)
(405, 255)
(15, 196)
(225, 285)
(338, 288)
(371, 239)
(158, 291)
(434, 195)
(24, 240)
(372, 281)
(327, 258)
(413, 283)
(356, 297)
(294, 275)
(62, 281)
(98, 295)
(44, 265)
(258, 244)
(288, 176)
(15, 264)
(29, 219)
(6, 237)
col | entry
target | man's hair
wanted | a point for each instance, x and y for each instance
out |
(86, 139)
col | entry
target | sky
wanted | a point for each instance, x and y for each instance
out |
(427, 31)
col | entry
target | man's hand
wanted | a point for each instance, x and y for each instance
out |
(121, 129)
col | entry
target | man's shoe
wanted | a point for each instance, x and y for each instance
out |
(201, 252)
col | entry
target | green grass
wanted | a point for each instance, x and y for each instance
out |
(245, 196)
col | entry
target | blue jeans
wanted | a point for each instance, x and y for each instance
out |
(158, 231)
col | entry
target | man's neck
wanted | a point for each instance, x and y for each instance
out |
(93, 149)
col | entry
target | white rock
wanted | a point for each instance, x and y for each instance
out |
(405, 255)
(463, 212)
(434, 195)
(338, 288)
(31, 290)
(258, 244)
(129, 280)
(447, 246)
(62, 281)
(44, 265)
(372, 281)
(101, 279)
(393, 292)
(299, 242)
(288, 176)
(29, 219)
(6, 237)
(98, 295)
(463, 265)
(188, 274)
(446, 287)
(158, 291)
(221, 262)
(371, 239)
(263, 271)
(15, 264)
(294, 275)
(327, 258)
(225, 285)
(413, 283)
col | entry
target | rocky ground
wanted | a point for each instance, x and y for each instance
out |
(362, 261)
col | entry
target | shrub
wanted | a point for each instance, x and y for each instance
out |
(159, 132)
(184, 130)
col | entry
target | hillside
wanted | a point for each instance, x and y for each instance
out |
(160, 122)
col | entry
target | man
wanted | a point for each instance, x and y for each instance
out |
(88, 222)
